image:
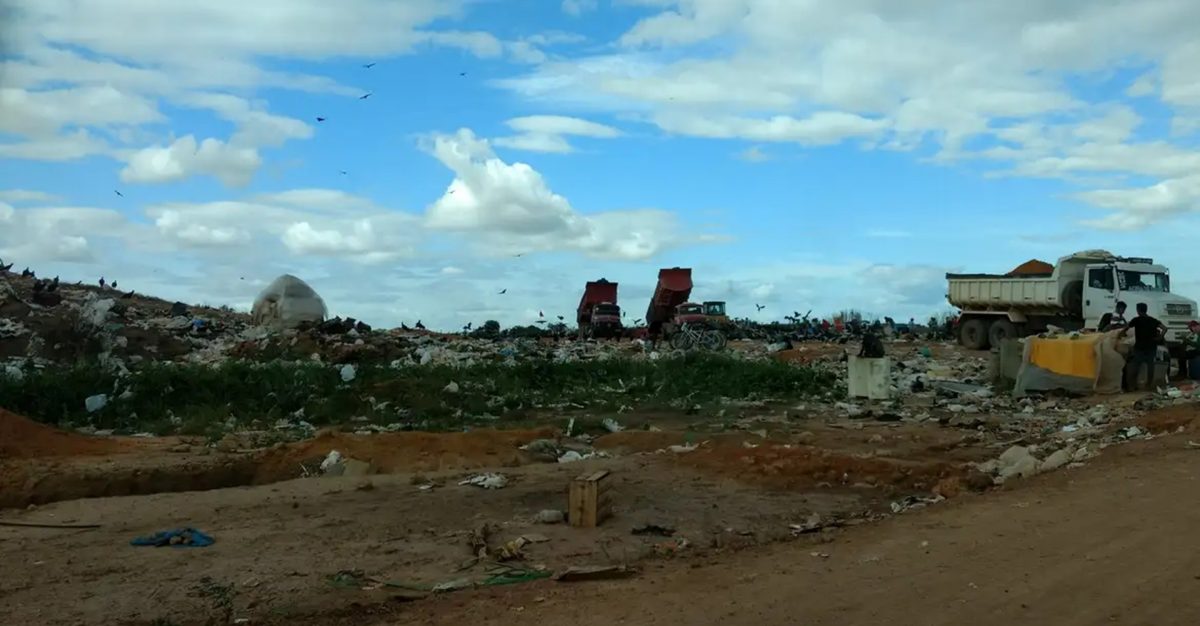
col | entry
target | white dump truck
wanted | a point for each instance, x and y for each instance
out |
(1082, 288)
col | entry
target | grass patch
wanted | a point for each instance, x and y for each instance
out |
(206, 400)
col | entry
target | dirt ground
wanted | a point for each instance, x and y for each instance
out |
(1113, 542)
(302, 550)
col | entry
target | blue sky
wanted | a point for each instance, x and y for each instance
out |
(797, 157)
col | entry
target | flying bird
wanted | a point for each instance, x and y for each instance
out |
(637, 321)
(541, 314)
(365, 96)
(118, 193)
(561, 318)
(540, 322)
(343, 172)
(760, 306)
(519, 254)
(462, 73)
(368, 65)
(320, 119)
(503, 291)
(468, 326)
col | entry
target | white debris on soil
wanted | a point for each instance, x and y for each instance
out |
(348, 373)
(333, 459)
(451, 387)
(487, 481)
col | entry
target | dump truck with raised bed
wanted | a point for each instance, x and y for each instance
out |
(670, 310)
(1078, 292)
(598, 314)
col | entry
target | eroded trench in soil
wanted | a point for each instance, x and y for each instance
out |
(40, 464)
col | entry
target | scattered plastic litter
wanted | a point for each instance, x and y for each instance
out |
(177, 538)
(487, 481)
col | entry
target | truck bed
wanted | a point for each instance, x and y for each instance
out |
(993, 292)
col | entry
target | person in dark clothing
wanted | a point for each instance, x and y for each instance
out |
(1191, 350)
(1147, 334)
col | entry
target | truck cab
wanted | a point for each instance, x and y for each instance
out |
(715, 312)
(1135, 281)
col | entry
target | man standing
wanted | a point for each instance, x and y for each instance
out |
(1191, 350)
(1147, 334)
(1113, 321)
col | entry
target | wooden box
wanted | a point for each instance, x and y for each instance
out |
(589, 501)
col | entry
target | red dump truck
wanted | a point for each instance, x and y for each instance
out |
(598, 314)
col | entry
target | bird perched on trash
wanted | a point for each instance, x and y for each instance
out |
(39, 286)
(4, 268)
(53, 286)
(126, 296)
(102, 282)
(403, 326)
(419, 325)
(27, 273)
(114, 284)
(760, 306)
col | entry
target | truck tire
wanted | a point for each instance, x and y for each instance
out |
(1001, 329)
(1072, 297)
(974, 334)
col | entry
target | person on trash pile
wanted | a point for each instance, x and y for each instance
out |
(1191, 349)
(1148, 333)
(1114, 320)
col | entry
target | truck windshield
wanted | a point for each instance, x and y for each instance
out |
(608, 309)
(1130, 280)
(714, 308)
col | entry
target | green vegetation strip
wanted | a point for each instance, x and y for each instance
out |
(195, 399)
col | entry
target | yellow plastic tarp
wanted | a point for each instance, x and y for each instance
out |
(1065, 356)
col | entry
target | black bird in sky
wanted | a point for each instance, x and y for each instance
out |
(343, 172)
(561, 318)
(468, 326)
(365, 96)
(541, 314)
(462, 73)
(503, 291)
(368, 65)
(760, 306)
(320, 119)
(118, 193)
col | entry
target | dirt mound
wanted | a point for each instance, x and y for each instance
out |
(405, 452)
(1032, 267)
(23, 438)
(801, 467)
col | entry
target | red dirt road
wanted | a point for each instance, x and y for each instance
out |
(1115, 542)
